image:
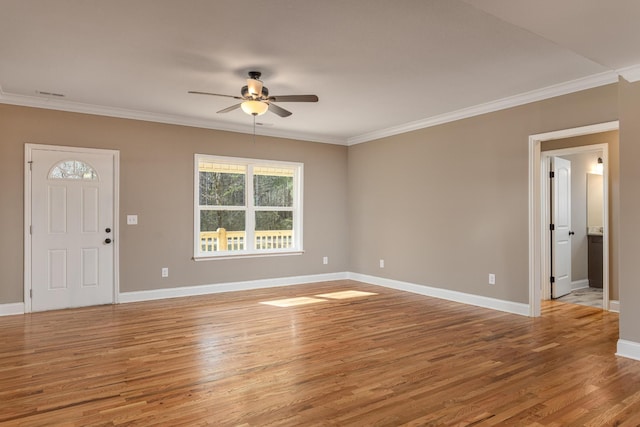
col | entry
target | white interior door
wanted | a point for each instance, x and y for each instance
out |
(72, 200)
(561, 237)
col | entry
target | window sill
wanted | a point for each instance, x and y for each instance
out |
(246, 255)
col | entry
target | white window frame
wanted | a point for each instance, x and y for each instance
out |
(250, 208)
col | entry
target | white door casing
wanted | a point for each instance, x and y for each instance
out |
(539, 219)
(73, 244)
(561, 234)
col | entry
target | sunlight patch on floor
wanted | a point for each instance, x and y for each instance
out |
(345, 294)
(292, 302)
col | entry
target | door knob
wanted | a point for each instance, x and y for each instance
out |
(107, 241)
(107, 230)
(571, 233)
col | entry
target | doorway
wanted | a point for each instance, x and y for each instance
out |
(539, 236)
(575, 191)
(71, 245)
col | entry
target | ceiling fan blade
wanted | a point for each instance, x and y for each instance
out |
(213, 94)
(294, 98)
(279, 110)
(233, 107)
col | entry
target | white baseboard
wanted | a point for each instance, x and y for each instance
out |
(629, 349)
(480, 301)
(486, 302)
(477, 300)
(614, 305)
(580, 284)
(185, 291)
(11, 309)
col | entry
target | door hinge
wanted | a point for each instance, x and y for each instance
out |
(30, 165)
(552, 174)
(552, 279)
(30, 229)
(30, 293)
(552, 227)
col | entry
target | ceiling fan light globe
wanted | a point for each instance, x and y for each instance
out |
(254, 108)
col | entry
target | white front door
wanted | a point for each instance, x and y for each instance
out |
(72, 232)
(561, 235)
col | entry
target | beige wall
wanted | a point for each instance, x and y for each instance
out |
(612, 140)
(629, 95)
(156, 175)
(447, 205)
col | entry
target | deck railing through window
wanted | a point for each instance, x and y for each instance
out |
(223, 240)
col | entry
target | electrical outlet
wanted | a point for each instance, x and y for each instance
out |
(325, 260)
(165, 272)
(492, 279)
(132, 219)
(381, 263)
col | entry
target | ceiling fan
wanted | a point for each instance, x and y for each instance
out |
(256, 100)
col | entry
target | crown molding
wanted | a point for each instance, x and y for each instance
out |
(489, 107)
(78, 107)
(630, 74)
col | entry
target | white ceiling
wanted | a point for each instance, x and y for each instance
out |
(378, 66)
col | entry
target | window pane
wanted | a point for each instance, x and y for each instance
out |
(222, 189)
(269, 220)
(222, 231)
(273, 190)
(73, 169)
(274, 230)
(229, 220)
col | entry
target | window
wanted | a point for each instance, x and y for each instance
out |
(246, 207)
(73, 169)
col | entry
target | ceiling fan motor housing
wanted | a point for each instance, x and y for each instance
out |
(245, 92)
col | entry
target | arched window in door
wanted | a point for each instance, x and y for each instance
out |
(73, 169)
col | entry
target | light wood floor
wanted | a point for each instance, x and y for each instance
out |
(389, 359)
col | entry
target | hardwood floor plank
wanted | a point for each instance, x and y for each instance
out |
(387, 359)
